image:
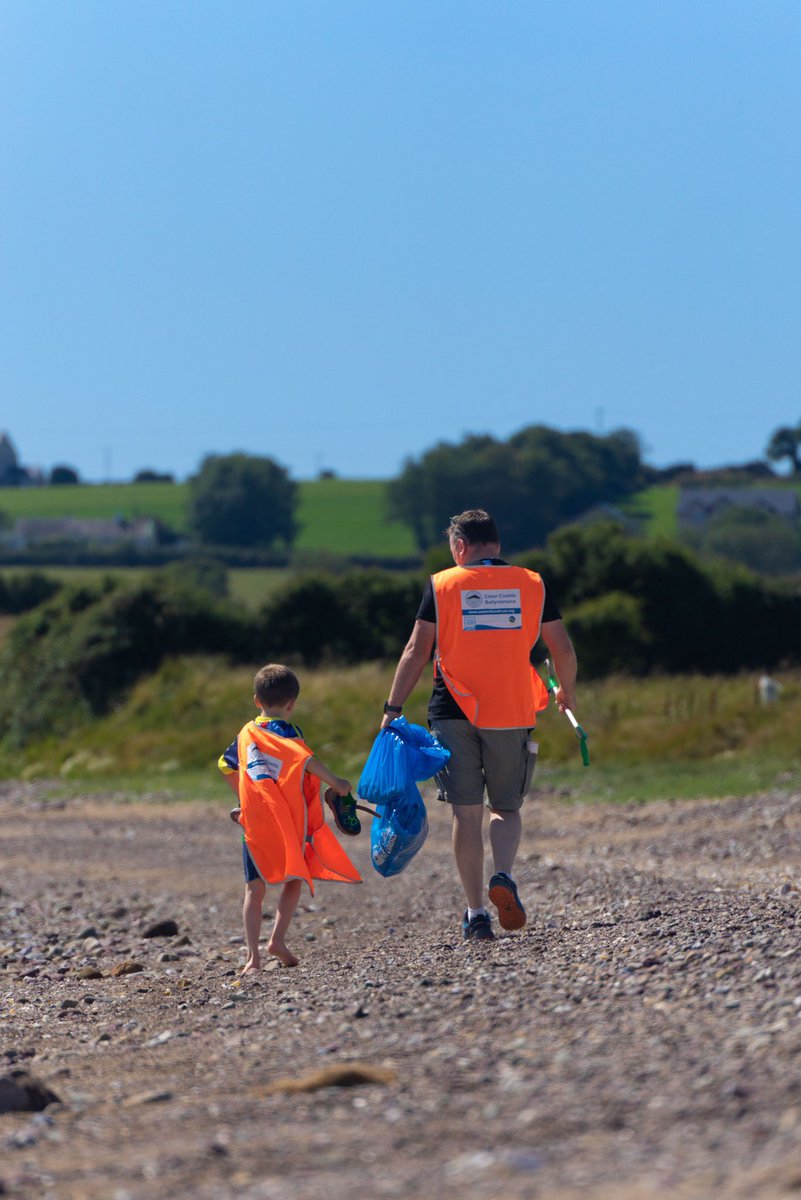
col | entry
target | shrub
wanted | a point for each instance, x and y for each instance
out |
(78, 655)
(610, 636)
(19, 593)
(356, 617)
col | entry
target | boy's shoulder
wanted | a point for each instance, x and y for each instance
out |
(279, 727)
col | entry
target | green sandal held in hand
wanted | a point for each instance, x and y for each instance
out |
(344, 810)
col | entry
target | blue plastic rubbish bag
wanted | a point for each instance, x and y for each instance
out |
(402, 756)
(401, 753)
(386, 771)
(398, 832)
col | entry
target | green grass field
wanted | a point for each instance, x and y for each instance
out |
(164, 500)
(657, 507)
(347, 516)
(337, 516)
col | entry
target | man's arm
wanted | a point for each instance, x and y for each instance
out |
(410, 665)
(563, 656)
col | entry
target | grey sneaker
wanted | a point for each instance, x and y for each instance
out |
(477, 929)
(503, 894)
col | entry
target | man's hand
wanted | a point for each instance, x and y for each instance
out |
(565, 698)
(563, 656)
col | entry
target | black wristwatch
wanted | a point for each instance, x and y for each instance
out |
(392, 708)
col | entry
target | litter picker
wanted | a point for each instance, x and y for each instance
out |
(553, 684)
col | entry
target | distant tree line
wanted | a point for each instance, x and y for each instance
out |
(532, 482)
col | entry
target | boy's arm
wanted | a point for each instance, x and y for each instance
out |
(341, 786)
(231, 777)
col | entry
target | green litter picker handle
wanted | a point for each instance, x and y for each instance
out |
(553, 684)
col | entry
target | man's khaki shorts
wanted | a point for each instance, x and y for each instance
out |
(499, 760)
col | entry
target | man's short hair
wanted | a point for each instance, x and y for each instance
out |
(275, 685)
(474, 525)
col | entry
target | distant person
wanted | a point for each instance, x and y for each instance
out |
(769, 689)
(485, 617)
(285, 839)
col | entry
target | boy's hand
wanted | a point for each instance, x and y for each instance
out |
(234, 815)
(341, 786)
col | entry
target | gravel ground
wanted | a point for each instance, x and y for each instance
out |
(640, 1037)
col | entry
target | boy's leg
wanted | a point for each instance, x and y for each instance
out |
(251, 919)
(287, 904)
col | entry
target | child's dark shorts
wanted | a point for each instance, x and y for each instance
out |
(251, 873)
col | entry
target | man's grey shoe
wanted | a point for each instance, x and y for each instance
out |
(477, 928)
(503, 894)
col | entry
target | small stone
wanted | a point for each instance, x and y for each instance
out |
(21, 1092)
(127, 968)
(160, 1038)
(89, 973)
(168, 928)
(155, 1097)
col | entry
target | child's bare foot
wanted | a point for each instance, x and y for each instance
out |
(251, 966)
(281, 951)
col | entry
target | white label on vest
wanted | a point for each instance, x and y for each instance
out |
(262, 766)
(489, 608)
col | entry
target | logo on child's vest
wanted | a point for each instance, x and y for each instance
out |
(261, 765)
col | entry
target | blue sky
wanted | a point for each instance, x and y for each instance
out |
(338, 232)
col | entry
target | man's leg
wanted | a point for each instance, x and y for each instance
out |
(468, 850)
(505, 832)
(508, 765)
(461, 784)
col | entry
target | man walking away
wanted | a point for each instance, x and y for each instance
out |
(484, 616)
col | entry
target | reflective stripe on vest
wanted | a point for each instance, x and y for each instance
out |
(282, 814)
(488, 619)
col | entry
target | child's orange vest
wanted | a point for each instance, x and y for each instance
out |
(282, 814)
(488, 619)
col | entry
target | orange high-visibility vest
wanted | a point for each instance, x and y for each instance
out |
(282, 814)
(488, 619)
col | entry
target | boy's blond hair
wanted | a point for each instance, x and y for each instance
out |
(275, 685)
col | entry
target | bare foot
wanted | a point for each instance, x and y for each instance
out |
(250, 968)
(281, 951)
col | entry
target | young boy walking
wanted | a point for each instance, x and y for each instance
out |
(285, 839)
